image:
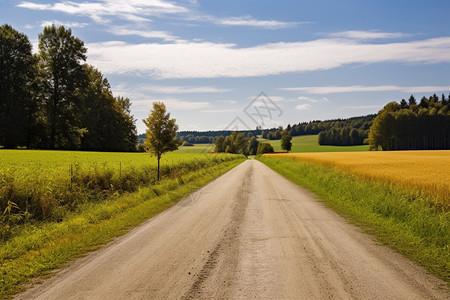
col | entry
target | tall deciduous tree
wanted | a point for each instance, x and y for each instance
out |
(252, 146)
(161, 132)
(115, 130)
(16, 81)
(60, 57)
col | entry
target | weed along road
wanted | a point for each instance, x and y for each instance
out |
(249, 234)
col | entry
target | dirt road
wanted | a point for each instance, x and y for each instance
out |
(249, 234)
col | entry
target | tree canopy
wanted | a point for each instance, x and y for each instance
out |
(54, 100)
(161, 132)
(412, 126)
(17, 67)
(286, 143)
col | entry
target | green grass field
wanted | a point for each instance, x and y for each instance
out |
(197, 148)
(43, 184)
(309, 143)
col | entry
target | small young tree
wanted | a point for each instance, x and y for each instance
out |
(286, 141)
(161, 132)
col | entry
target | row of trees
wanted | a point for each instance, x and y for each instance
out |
(239, 143)
(411, 126)
(54, 100)
(345, 136)
(333, 132)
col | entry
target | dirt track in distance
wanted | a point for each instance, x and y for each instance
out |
(249, 234)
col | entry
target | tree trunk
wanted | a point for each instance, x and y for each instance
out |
(158, 168)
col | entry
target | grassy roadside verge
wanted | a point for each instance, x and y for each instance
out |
(403, 220)
(37, 249)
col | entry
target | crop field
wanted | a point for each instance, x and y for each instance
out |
(309, 143)
(423, 171)
(400, 197)
(44, 184)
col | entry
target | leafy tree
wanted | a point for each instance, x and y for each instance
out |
(60, 57)
(264, 148)
(17, 67)
(161, 132)
(220, 144)
(236, 143)
(252, 146)
(286, 143)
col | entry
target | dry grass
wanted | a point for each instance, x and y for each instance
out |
(424, 171)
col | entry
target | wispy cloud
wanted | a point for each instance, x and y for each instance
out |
(304, 106)
(185, 89)
(252, 22)
(172, 104)
(140, 11)
(367, 35)
(309, 99)
(224, 110)
(360, 88)
(228, 101)
(361, 107)
(212, 60)
(101, 10)
(150, 34)
(65, 24)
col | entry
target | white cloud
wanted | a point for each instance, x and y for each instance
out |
(250, 21)
(303, 98)
(120, 30)
(65, 24)
(304, 106)
(360, 88)
(225, 110)
(172, 104)
(212, 60)
(228, 101)
(367, 35)
(184, 89)
(361, 107)
(100, 10)
(326, 99)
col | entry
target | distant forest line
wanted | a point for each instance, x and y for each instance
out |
(351, 131)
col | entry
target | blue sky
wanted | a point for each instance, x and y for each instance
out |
(208, 60)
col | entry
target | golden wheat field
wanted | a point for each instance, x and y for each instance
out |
(426, 171)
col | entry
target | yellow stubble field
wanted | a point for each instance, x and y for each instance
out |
(423, 171)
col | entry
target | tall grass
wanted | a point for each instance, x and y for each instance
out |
(45, 185)
(406, 221)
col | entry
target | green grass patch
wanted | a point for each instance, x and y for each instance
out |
(401, 219)
(35, 248)
(44, 185)
(309, 143)
(196, 148)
